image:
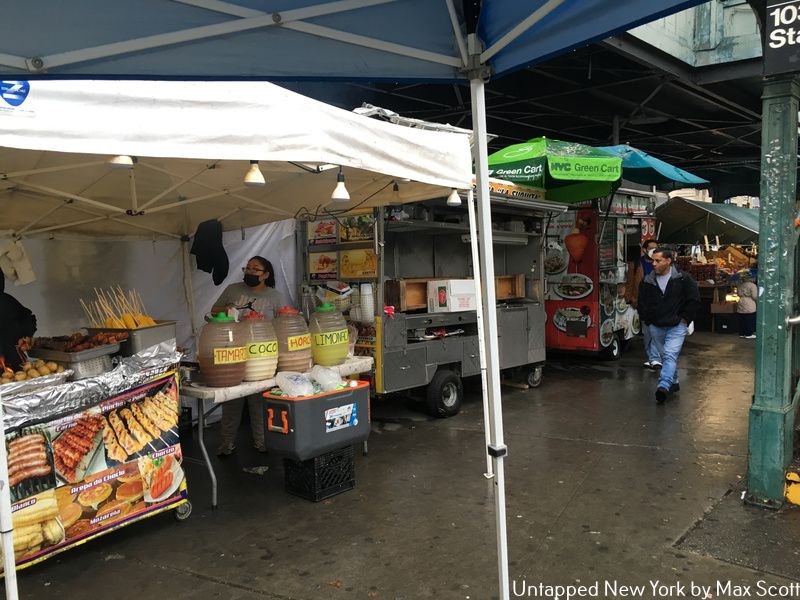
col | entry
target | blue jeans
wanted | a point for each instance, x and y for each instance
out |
(653, 355)
(668, 341)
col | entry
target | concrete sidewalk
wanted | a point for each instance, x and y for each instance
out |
(602, 484)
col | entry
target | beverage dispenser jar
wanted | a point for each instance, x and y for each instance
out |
(262, 348)
(222, 353)
(329, 336)
(294, 341)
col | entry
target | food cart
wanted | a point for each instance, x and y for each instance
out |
(586, 270)
(399, 252)
(88, 454)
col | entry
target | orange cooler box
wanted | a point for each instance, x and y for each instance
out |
(306, 427)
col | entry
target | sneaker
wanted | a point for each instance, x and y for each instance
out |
(675, 387)
(750, 337)
(655, 365)
(647, 364)
(661, 395)
(225, 449)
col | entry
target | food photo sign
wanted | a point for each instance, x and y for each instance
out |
(82, 475)
(570, 266)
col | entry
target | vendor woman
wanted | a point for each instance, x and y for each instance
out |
(16, 322)
(257, 292)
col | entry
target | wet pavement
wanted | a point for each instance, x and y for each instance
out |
(602, 485)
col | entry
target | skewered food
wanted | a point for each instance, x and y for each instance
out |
(135, 427)
(124, 438)
(74, 444)
(113, 449)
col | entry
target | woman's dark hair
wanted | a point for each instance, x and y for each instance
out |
(267, 266)
(644, 243)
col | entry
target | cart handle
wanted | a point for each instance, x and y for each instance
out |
(278, 428)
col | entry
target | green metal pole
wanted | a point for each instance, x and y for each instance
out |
(772, 412)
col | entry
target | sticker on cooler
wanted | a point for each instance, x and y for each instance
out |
(331, 338)
(229, 356)
(341, 417)
(262, 349)
(298, 342)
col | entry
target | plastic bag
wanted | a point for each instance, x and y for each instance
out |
(329, 379)
(294, 384)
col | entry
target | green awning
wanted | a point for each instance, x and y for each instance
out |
(686, 222)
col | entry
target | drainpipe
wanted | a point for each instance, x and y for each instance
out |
(772, 413)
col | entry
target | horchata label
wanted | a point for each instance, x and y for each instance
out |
(262, 349)
(298, 342)
(229, 356)
(331, 338)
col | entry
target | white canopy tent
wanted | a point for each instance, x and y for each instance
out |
(190, 146)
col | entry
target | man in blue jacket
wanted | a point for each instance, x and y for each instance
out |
(668, 302)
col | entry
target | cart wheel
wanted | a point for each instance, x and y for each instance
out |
(534, 379)
(183, 511)
(614, 350)
(444, 394)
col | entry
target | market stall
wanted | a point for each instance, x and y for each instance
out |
(106, 161)
(715, 243)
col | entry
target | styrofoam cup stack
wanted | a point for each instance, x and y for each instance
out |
(367, 303)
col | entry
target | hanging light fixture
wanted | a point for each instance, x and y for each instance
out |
(454, 199)
(340, 193)
(254, 177)
(396, 199)
(123, 161)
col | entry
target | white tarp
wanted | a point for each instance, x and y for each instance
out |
(193, 142)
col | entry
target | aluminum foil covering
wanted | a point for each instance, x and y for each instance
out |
(128, 373)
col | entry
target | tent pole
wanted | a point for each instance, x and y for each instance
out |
(496, 448)
(6, 523)
(476, 273)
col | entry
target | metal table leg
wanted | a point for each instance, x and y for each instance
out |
(201, 423)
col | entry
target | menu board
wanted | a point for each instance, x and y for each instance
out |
(357, 228)
(358, 264)
(323, 266)
(322, 233)
(82, 475)
(607, 244)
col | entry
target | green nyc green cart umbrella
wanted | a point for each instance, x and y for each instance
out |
(566, 171)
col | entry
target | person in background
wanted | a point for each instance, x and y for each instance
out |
(640, 265)
(748, 297)
(16, 322)
(668, 301)
(256, 292)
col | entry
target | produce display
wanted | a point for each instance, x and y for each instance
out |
(117, 309)
(30, 370)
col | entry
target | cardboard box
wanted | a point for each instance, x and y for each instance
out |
(451, 295)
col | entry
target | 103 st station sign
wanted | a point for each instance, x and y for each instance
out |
(782, 40)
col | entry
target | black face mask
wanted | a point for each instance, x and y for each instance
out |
(251, 280)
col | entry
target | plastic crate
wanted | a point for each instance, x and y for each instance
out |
(320, 477)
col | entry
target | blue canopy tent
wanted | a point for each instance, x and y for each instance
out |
(638, 166)
(396, 40)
